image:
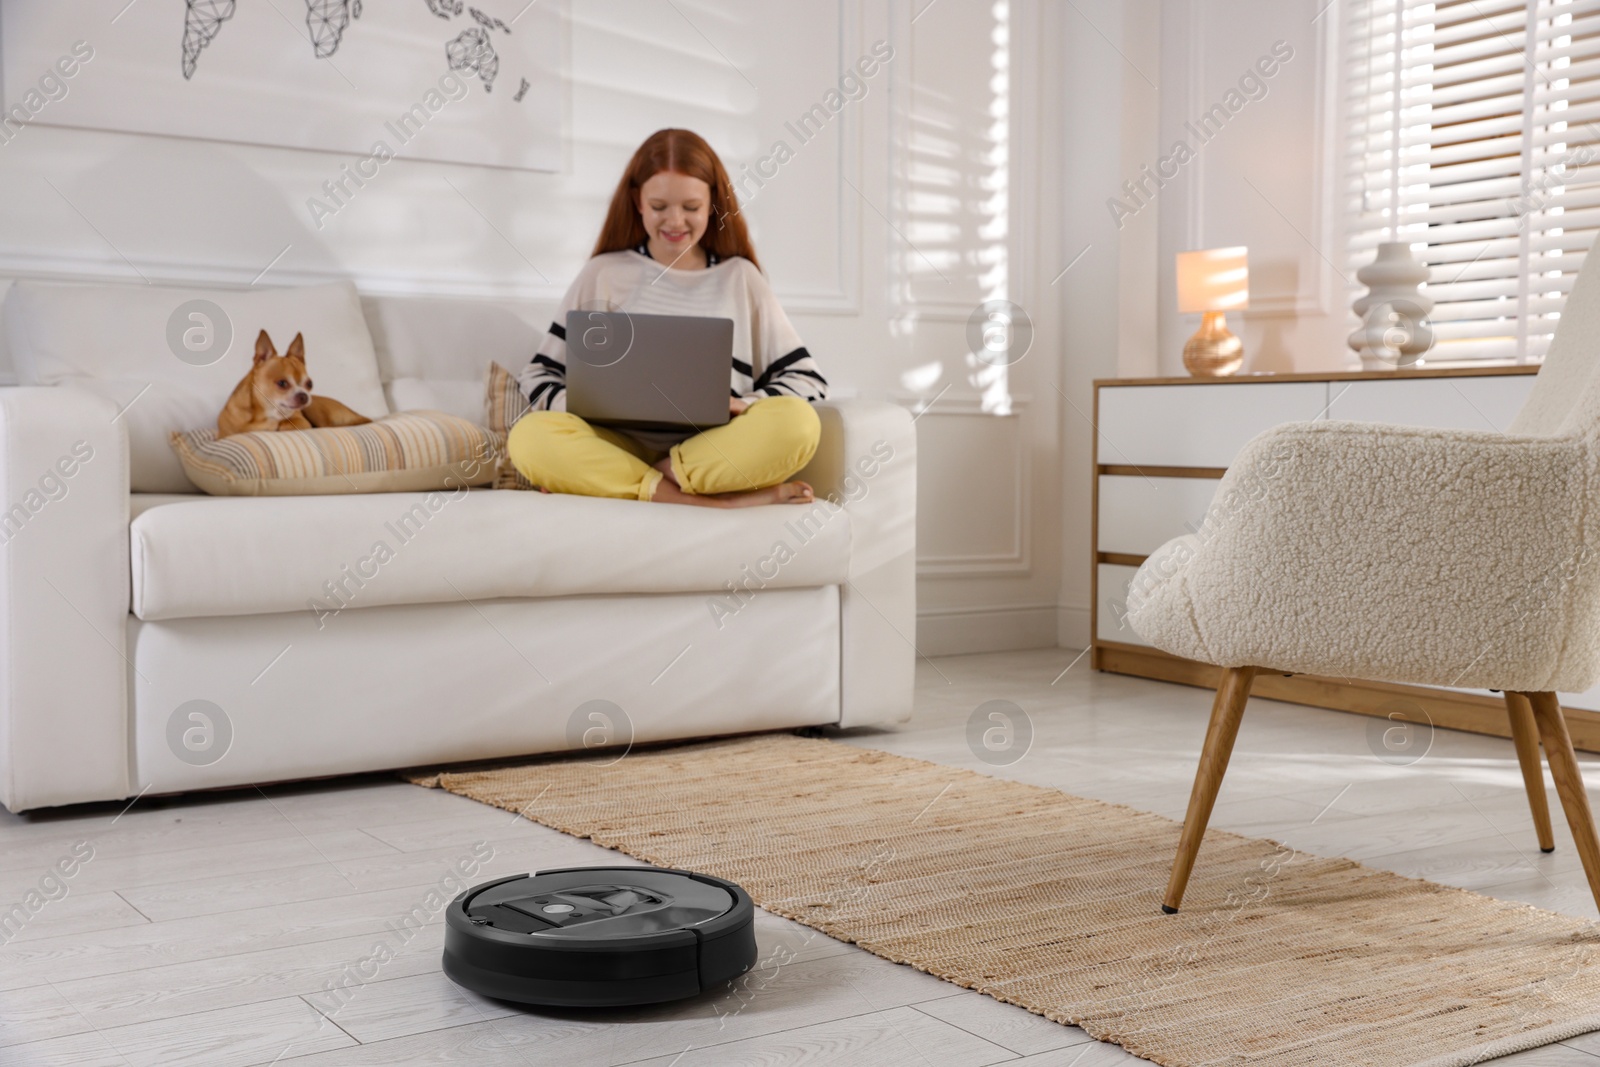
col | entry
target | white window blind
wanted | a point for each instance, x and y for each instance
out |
(1472, 131)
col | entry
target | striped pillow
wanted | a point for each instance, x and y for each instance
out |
(503, 405)
(412, 452)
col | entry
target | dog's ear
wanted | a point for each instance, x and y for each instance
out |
(297, 348)
(264, 349)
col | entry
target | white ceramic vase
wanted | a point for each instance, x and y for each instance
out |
(1394, 330)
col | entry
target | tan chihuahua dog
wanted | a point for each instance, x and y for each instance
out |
(276, 395)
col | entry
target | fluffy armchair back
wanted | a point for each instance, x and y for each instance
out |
(1566, 393)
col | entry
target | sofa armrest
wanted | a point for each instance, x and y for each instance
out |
(867, 464)
(64, 672)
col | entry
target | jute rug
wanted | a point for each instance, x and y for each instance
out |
(1051, 902)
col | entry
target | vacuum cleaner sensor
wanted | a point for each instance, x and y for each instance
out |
(599, 936)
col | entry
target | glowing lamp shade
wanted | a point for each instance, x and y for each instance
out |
(1217, 279)
(1213, 282)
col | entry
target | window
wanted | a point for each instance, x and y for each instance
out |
(1470, 132)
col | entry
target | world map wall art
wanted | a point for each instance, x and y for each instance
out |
(457, 81)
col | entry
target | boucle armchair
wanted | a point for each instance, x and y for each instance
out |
(1435, 557)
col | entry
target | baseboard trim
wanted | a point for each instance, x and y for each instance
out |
(1472, 712)
(1072, 625)
(1000, 628)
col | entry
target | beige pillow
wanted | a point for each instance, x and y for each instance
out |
(503, 405)
(413, 452)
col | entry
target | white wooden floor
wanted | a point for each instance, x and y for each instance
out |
(204, 929)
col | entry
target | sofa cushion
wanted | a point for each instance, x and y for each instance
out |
(115, 340)
(198, 555)
(431, 350)
(411, 452)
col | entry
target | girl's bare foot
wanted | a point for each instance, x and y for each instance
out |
(664, 465)
(787, 493)
(667, 492)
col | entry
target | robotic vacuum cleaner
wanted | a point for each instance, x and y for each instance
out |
(599, 936)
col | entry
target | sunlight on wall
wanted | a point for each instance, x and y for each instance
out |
(953, 254)
(993, 260)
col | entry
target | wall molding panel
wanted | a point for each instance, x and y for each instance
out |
(1015, 558)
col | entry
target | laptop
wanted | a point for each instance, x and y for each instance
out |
(649, 372)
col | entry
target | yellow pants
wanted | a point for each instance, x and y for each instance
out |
(765, 446)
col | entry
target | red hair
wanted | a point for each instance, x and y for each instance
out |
(681, 152)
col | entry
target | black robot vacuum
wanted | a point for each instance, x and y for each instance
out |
(599, 936)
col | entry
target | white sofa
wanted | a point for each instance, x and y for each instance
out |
(499, 618)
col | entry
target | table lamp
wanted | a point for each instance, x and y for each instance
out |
(1213, 282)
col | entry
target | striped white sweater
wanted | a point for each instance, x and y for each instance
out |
(768, 358)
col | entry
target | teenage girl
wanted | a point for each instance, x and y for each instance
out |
(674, 243)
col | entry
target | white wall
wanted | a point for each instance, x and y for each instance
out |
(975, 165)
(1140, 75)
(1260, 180)
(939, 189)
(1110, 58)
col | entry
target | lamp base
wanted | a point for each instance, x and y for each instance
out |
(1213, 351)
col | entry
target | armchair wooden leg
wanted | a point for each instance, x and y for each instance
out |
(1569, 783)
(1226, 711)
(1525, 735)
